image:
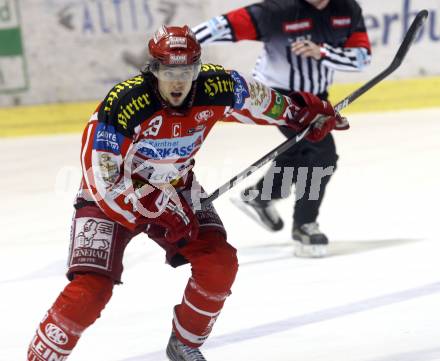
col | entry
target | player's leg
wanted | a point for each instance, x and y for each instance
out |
(95, 265)
(75, 309)
(318, 163)
(213, 269)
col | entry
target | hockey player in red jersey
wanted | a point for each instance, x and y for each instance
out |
(137, 157)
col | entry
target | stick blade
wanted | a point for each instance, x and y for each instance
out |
(411, 35)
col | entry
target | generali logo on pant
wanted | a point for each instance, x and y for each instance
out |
(92, 240)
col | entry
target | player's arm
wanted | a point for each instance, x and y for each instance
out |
(246, 23)
(255, 103)
(105, 145)
(355, 54)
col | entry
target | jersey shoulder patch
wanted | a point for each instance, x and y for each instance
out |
(215, 86)
(120, 90)
(127, 104)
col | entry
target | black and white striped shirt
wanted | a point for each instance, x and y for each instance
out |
(338, 29)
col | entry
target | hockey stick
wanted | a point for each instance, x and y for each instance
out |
(398, 59)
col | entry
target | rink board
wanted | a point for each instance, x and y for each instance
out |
(393, 95)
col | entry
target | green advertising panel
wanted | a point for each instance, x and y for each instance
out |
(13, 72)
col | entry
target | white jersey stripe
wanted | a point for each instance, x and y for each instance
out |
(315, 77)
(296, 74)
(306, 74)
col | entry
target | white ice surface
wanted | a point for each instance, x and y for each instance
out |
(375, 298)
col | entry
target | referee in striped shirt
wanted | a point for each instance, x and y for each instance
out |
(305, 42)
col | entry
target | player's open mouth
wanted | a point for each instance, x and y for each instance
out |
(176, 94)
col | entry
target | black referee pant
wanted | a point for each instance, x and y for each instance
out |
(309, 166)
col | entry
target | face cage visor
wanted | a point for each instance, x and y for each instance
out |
(184, 72)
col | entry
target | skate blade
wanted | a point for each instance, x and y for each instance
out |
(249, 211)
(310, 251)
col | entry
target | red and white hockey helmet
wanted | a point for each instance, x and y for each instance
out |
(173, 45)
(175, 54)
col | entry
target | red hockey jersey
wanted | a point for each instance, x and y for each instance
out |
(135, 135)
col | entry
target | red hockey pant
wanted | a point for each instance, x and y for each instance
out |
(213, 265)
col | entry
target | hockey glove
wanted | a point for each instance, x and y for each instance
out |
(309, 109)
(168, 214)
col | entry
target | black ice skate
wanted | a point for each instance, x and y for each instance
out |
(177, 351)
(262, 212)
(309, 240)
